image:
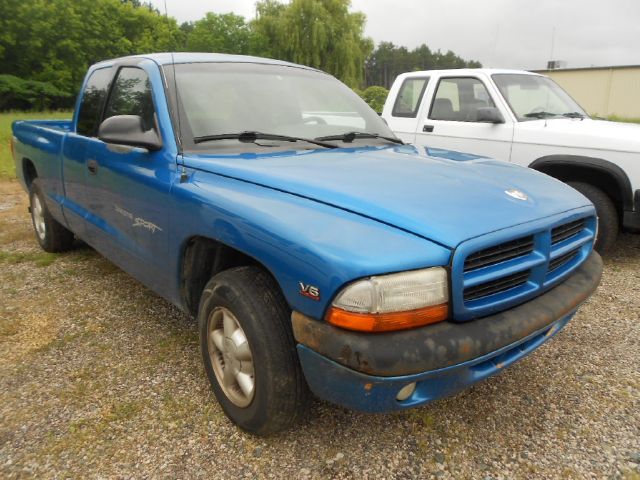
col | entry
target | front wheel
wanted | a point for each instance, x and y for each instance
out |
(249, 352)
(608, 222)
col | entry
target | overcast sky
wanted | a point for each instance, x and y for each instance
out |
(498, 33)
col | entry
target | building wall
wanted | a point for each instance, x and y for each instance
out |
(602, 91)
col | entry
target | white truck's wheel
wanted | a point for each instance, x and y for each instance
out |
(608, 222)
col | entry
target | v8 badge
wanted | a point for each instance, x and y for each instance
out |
(309, 291)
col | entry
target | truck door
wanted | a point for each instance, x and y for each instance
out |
(127, 187)
(74, 171)
(450, 120)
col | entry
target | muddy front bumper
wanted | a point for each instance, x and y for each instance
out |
(366, 371)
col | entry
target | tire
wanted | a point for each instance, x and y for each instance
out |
(250, 297)
(608, 222)
(51, 235)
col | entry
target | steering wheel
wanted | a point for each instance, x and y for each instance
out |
(317, 120)
(537, 110)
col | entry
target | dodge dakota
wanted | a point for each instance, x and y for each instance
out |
(527, 119)
(319, 253)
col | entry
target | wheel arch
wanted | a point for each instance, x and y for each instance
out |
(598, 172)
(29, 172)
(203, 257)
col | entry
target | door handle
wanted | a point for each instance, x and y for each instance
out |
(427, 128)
(92, 166)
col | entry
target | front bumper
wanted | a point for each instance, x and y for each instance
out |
(365, 371)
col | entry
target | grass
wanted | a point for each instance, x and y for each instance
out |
(41, 259)
(7, 168)
(616, 118)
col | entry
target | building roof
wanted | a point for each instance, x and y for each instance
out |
(613, 67)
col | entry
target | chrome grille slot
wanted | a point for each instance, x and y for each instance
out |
(562, 259)
(499, 253)
(566, 231)
(496, 286)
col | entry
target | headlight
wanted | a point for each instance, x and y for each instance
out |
(392, 302)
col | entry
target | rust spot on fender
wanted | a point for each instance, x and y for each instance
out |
(368, 386)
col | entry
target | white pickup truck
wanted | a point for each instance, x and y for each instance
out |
(524, 118)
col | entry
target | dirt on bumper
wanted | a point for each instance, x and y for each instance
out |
(447, 343)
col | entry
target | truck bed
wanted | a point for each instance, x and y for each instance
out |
(40, 143)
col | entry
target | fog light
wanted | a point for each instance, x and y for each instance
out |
(406, 391)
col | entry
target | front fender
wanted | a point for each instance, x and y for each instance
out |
(598, 165)
(297, 239)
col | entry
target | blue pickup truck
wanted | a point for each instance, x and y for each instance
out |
(318, 251)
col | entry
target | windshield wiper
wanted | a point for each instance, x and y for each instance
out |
(573, 115)
(540, 115)
(349, 137)
(251, 137)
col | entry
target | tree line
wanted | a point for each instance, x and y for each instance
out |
(46, 46)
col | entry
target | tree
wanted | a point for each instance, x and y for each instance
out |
(55, 41)
(375, 97)
(388, 61)
(318, 33)
(227, 33)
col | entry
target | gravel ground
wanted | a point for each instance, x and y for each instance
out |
(102, 378)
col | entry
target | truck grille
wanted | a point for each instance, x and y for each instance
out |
(499, 253)
(495, 276)
(496, 286)
(562, 259)
(567, 230)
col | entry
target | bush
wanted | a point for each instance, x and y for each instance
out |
(19, 94)
(375, 97)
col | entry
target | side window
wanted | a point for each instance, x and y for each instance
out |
(409, 97)
(458, 99)
(131, 95)
(92, 102)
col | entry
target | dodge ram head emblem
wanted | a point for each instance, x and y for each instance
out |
(309, 291)
(517, 194)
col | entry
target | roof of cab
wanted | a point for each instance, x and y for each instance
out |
(467, 71)
(192, 57)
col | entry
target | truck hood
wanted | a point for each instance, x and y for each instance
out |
(443, 200)
(586, 133)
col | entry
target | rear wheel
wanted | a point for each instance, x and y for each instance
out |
(249, 352)
(51, 235)
(608, 222)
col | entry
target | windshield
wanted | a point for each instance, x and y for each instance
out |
(533, 97)
(219, 99)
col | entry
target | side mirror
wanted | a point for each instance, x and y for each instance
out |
(489, 115)
(128, 130)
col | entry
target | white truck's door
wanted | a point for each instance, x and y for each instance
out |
(449, 118)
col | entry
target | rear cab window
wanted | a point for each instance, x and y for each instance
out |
(92, 103)
(409, 97)
(458, 99)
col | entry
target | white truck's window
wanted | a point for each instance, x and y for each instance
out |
(458, 99)
(533, 97)
(409, 97)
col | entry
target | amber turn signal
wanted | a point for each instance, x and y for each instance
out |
(386, 322)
